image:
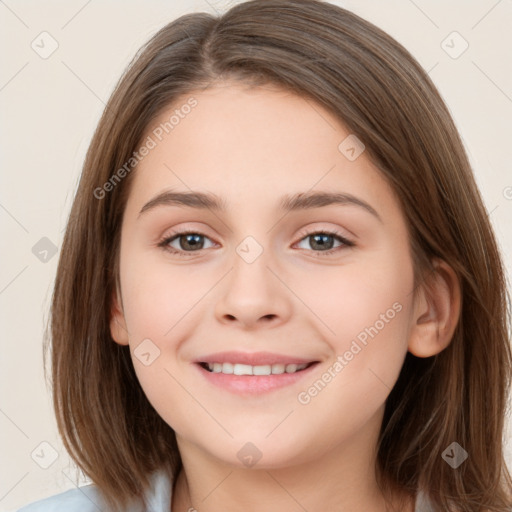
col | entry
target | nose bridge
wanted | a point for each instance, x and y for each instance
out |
(251, 267)
(252, 290)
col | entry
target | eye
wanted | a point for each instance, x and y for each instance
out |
(193, 241)
(321, 239)
(186, 239)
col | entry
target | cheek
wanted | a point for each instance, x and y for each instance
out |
(369, 313)
(161, 303)
(157, 296)
(366, 308)
(355, 297)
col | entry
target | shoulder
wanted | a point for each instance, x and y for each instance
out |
(81, 499)
(88, 498)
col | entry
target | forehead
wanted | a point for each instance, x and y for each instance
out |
(252, 146)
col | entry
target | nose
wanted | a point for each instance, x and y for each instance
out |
(253, 295)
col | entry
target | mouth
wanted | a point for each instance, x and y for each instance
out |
(252, 374)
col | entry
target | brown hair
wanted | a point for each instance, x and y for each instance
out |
(378, 90)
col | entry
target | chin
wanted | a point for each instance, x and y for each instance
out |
(260, 454)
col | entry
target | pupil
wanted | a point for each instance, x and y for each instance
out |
(193, 244)
(321, 245)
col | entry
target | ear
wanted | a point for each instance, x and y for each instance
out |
(437, 307)
(118, 329)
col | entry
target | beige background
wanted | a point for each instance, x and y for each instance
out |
(49, 109)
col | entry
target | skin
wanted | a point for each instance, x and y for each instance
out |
(251, 146)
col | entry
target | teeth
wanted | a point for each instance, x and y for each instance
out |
(262, 370)
(278, 368)
(242, 369)
(226, 368)
(247, 369)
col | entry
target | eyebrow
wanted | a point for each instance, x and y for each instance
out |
(287, 203)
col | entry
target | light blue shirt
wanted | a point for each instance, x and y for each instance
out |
(88, 499)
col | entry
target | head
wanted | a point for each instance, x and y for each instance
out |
(298, 84)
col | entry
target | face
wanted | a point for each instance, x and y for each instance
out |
(258, 287)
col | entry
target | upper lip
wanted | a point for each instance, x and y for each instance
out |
(253, 358)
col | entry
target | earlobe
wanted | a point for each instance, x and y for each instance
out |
(118, 329)
(436, 312)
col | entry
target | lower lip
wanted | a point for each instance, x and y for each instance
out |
(254, 384)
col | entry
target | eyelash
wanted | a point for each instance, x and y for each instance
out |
(164, 243)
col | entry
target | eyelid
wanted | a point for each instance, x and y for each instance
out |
(304, 233)
(328, 231)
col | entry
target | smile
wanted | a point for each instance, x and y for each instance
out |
(253, 380)
(247, 369)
